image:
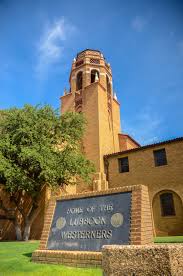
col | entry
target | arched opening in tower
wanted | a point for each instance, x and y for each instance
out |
(79, 81)
(94, 75)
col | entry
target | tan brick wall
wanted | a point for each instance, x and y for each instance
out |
(76, 258)
(101, 136)
(109, 126)
(143, 171)
(116, 123)
(141, 218)
(7, 228)
(91, 113)
(47, 223)
(102, 131)
(125, 143)
(67, 103)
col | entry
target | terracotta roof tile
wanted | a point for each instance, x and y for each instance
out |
(145, 147)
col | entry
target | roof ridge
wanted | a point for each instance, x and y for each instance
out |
(145, 146)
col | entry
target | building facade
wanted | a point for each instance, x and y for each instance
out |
(119, 159)
(160, 167)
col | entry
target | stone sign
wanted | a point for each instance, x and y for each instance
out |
(78, 227)
(89, 223)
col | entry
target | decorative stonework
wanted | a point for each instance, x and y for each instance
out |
(94, 60)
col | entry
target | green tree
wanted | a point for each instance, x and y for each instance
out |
(38, 148)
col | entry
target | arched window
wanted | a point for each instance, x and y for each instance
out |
(108, 85)
(79, 81)
(167, 204)
(167, 213)
(94, 75)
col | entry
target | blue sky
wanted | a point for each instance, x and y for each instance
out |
(142, 40)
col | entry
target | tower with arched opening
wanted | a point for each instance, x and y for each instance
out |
(91, 92)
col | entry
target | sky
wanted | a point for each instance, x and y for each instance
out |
(142, 40)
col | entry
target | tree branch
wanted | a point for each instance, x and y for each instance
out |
(17, 203)
(6, 217)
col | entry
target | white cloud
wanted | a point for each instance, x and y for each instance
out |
(138, 23)
(145, 127)
(51, 45)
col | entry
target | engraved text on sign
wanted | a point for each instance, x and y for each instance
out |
(89, 223)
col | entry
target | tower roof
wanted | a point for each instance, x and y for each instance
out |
(92, 50)
(90, 58)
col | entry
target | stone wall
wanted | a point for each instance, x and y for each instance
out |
(143, 260)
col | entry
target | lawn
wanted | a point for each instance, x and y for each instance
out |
(172, 239)
(15, 259)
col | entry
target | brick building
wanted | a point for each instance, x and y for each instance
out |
(119, 159)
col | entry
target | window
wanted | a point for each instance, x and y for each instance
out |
(123, 165)
(167, 204)
(78, 63)
(160, 157)
(93, 75)
(79, 81)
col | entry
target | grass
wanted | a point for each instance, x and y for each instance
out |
(15, 259)
(172, 239)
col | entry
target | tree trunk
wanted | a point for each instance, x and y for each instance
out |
(27, 227)
(18, 231)
(28, 220)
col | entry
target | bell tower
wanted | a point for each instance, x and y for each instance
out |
(91, 92)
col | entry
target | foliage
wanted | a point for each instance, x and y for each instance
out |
(39, 147)
(15, 259)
